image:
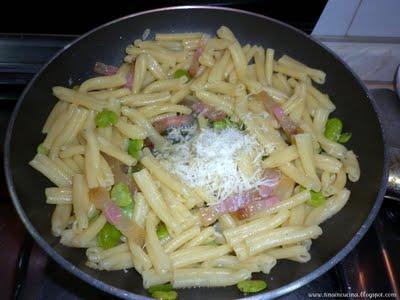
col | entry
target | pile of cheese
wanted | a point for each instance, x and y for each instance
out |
(216, 162)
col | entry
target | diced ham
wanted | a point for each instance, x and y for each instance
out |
(129, 80)
(244, 200)
(147, 143)
(288, 125)
(208, 111)
(194, 66)
(265, 190)
(256, 206)
(129, 76)
(129, 228)
(170, 122)
(103, 69)
(112, 212)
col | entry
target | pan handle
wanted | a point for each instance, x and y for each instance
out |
(388, 107)
(393, 187)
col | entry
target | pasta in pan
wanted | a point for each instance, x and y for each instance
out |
(198, 158)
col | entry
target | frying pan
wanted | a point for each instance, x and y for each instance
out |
(107, 43)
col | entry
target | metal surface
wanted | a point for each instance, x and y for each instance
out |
(389, 109)
(397, 81)
(107, 43)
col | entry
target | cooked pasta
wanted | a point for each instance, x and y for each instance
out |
(198, 161)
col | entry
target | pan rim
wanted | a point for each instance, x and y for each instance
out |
(130, 295)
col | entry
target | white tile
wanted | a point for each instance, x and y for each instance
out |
(377, 18)
(336, 17)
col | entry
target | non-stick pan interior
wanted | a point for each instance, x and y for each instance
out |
(107, 44)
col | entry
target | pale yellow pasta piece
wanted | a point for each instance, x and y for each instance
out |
(77, 98)
(171, 45)
(281, 157)
(269, 65)
(162, 117)
(140, 70)
(296, 253)
(122, 261)
(208, 277)
(58, 109)
(306, 154)
(154, 67)
(183, 237)
(107, 175)
(320, 117)
(151, 277)
(317, 75)
(49, 169)
(140, 120)
(275, 94)
(102, 82)
(327, 163)
(80, 200)
(155, 251)
(63, 167)
(291, 72)
(155, 200)
(257, 263)
(178, 210)
(297, 215)
(323, 99)
(140, 209)
(91, 232)
(298, 176)
(90, 121)
(70, 131)
(203, 236)
(71, 150)
(331, 207)
(58, 126)
(217, 71)
(171, 181)
(107, 94)
(177, 36)
(289, 203)
(227, 221)
(281, 236)
(136, 100)
(131, 131)
(80, 161)
(165, 85)
(141, 260)
(60, 218)
(181, 94)
(192, 255)
(257, 226)
(161, 108)
(351, 166)
(92, 159)
(56, 195)
(259, 59)
(225, 33)
(222, 87)
(216, 101)
(238, 57)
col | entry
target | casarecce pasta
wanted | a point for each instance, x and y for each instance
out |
(196, 158)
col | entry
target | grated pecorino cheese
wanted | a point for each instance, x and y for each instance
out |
(209, 161)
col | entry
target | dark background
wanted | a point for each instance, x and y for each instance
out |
(77, 17)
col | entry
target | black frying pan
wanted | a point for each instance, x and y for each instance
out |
(107, 43)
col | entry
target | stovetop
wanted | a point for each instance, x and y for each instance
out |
(26, 272)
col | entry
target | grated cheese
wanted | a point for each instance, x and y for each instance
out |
(208, 161)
